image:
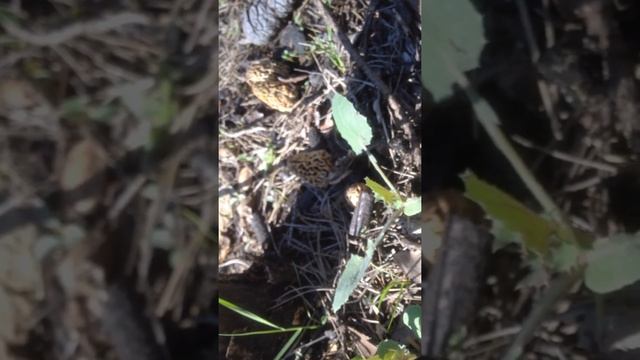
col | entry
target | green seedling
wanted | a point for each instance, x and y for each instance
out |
(355, 130)
(273, 328)
(323, 45)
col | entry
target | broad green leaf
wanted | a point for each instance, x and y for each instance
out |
(613, 263)
(411, 318)
(352, 126)
(413, 206)
(349, 279)
(509, 217)
(453, 37)
(382, 193)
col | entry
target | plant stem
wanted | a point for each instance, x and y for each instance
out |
(373, 161)
(490, 122)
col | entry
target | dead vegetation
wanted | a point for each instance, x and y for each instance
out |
(107, 180)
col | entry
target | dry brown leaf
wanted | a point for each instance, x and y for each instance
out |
(244, 177)
(84, 165)
(19, 269)
(17, 95)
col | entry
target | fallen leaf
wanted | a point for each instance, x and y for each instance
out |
(17, 95)
(82, 175)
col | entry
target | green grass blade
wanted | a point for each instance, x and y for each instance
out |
(274, 331)
(288, 344)
(247, 314)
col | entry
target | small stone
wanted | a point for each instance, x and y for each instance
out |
(562, 306)
(569, 329)
(551, 325)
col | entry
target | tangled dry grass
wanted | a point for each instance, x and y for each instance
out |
(107, 179)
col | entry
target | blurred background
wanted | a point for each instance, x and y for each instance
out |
(108, 179)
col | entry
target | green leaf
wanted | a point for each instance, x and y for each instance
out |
(613, 263)
(285, 348)
(389, 350)
(453, 37)
(160, 105)
(413, 206)
(382, 193)
(509, 217)
(411, 318)
(349, 279)
(352, 126)
(393, 350)
(565, 256)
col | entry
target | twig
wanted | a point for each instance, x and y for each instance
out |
(567, 157)
(203, 16)
(56, 37)
(583, 184)
(557, 289)
(528, 30)
(548, 27)
(535, 56)
(506, 332)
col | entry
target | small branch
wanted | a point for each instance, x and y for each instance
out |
(535, 56)
(59, 36)
(558, 288)
(567, 157)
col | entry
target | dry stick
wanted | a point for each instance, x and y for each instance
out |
(201, 19)
(557, 290)
(548, 27)
(535, 56)
(567, 157)
(59, 36)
